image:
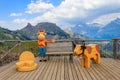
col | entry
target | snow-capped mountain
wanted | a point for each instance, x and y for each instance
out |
(97, 31)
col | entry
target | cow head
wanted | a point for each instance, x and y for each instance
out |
(41, 34)
(78, 49)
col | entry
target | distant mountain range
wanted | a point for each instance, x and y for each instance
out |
(52, 30)
(97, 31)
(29, 32)
(81, 30)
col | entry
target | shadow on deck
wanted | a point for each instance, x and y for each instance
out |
(61, 68)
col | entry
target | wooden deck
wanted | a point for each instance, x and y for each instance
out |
(61, 68)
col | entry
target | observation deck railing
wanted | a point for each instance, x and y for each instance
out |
(11, 49)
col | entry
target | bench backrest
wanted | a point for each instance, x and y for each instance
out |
(60, 46)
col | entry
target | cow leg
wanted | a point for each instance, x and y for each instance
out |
(83, 62)
(98, 58)
(87, 62)
(94, 59)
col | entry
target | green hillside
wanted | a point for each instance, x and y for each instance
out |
(6, 34)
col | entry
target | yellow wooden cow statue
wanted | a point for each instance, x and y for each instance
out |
(91, 52)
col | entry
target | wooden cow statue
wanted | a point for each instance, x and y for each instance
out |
(90, 52)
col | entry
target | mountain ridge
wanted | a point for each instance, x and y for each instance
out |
(52, 30)
(97, 31)
(29, 32)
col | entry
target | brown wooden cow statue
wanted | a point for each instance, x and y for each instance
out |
(91, 52)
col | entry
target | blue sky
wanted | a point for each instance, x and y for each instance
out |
(15, 14)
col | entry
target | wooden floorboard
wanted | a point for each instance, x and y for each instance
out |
(74, 71)
(61, 68)
(111, 70)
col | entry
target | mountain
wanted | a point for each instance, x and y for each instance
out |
(88, 30)
(97, 31)
(52, 30)
(111, 30)
(75, 35)
(81, 30)
(6, 34)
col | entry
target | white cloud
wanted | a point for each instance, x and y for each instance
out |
(105, 19)
(39, 7)
(16, 14)
(70, 12)
(11, 25)
(19, 21)
(2, 23)
(69, 9)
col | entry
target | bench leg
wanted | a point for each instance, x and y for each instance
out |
(71, 57)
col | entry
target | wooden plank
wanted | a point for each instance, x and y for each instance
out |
(111, 71)
(21, 75)
(48, 71)
(102, 69)
(58, 53)
(70, 71)
(75, 63)
(101, 77)
(58, 76)
(80, 69)
(62, 68)
(113, 64)
(4, 67)
(36, 72)
(66, 76)
(60, 49)
(59, 46)
(40, 70)
(29, 76)
(88, 74)
(53, 62)
(55, 70)
(56, 44)
(101, 72)
(15, 76)
(73, 71)
(93, 72)
(7, 73)
(42, 74)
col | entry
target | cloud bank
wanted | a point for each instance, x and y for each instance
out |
(70, 12)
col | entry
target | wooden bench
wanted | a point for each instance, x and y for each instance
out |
(60, 47)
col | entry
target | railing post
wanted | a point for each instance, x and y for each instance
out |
(115, 41)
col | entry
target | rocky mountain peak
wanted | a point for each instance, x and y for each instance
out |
(52, 30)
